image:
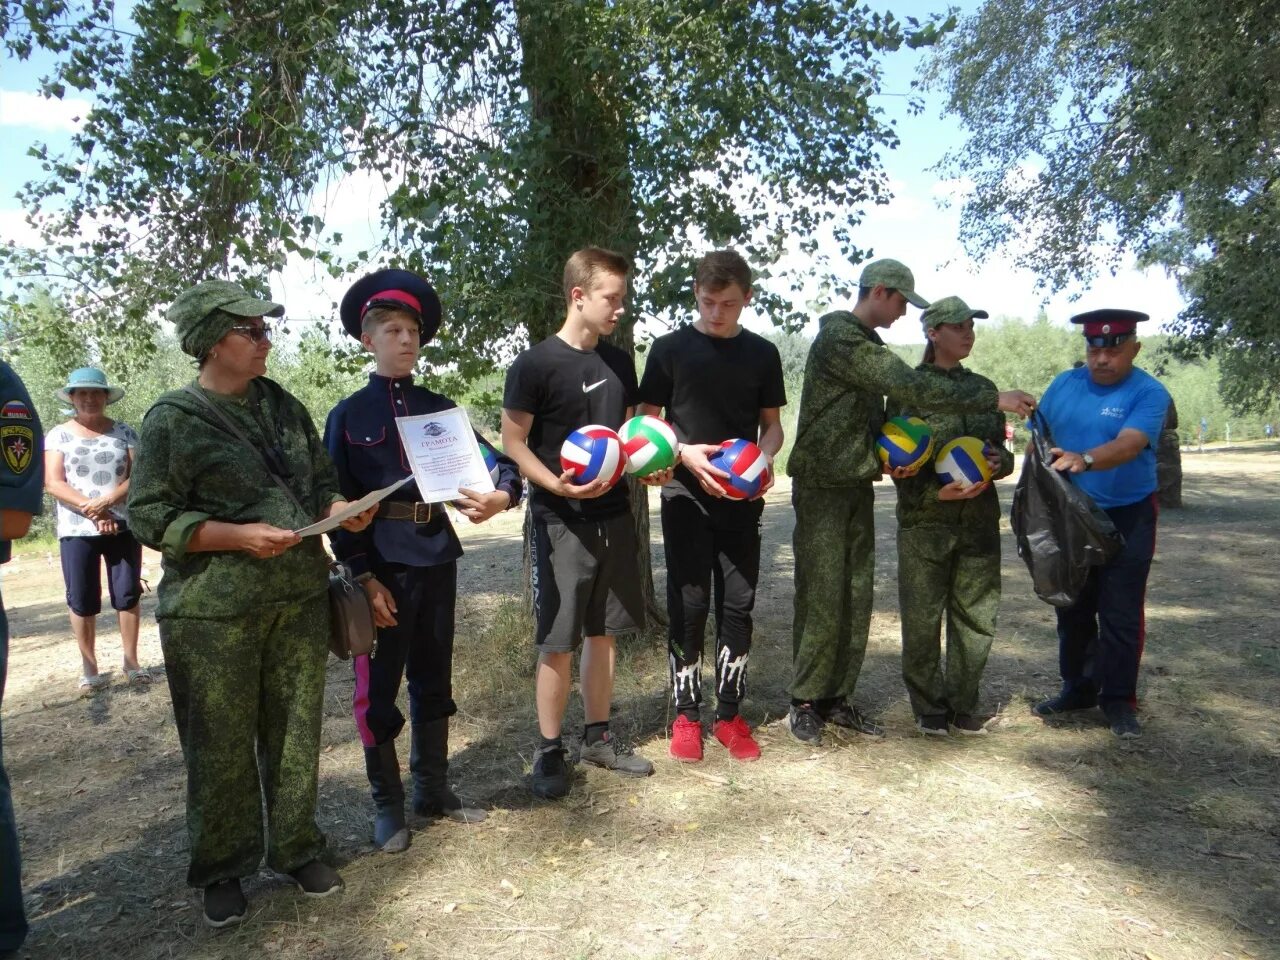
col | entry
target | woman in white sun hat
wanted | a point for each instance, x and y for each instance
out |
(88, 461)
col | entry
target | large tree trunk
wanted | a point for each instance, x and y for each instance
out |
(582, 175)
(1169, 461)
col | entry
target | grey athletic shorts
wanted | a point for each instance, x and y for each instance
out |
(586, 581)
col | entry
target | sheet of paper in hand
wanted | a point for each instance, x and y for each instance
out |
(358, 506)
(444, 454)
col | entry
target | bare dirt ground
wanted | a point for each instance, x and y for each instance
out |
(1034, 842)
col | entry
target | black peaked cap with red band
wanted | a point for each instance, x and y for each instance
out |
(1110, 323)
(392, 288)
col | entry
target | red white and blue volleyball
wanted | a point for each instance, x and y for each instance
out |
(964, 459)
(650, 445)
(747, 466)
(593, 453)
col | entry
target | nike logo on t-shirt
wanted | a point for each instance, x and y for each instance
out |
(586, 389)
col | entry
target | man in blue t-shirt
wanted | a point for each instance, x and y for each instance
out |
(1105, 418)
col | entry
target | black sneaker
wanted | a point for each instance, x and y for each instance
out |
(613, 754)
(1122, 719)
(1065, 702)
(933, 725)
(967, 724)
(316, 879)
(806, 725)
(224, 903)
(550, 779)
(841, 714)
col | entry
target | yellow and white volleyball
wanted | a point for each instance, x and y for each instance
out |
(964, 459)
(650, 445)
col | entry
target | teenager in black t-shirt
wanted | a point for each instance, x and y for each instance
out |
(716, 382)
(586, 581)
(564, 387)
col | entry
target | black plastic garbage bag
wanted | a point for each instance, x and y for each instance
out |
(1061, 532)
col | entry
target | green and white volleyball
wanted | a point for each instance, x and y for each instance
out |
(650, 445)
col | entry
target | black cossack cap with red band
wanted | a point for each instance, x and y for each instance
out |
(398, 289)
(1109, 327)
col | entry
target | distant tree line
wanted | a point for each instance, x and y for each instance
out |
(320, 370)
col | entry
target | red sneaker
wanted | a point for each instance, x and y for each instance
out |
(686, 740)
(736, 735)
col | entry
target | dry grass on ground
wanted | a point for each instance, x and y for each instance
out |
(1035, 842)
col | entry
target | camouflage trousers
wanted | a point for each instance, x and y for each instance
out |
(834, 548)
(247, 698)
(951, 571)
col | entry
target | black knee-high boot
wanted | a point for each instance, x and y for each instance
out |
(429, 764)
(390, 833)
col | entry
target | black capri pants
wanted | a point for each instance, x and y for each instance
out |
(82, 571)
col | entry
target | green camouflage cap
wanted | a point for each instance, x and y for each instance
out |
(894, 275)
(950, 310)
(202, 315)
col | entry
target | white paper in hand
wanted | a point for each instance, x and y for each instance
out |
(359, 506)
(444, 454)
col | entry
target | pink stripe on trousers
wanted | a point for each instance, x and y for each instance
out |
(360, 701)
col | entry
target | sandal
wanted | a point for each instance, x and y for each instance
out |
(139, 677)
(91, 685)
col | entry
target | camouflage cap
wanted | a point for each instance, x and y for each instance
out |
(894, 275)
(949, 310)
(202, 315)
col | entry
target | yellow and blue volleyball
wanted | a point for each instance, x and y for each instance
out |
(650, 445)
(593, 453)
(964, 459)
(905, 442)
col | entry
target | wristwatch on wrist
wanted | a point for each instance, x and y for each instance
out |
(1087, 460)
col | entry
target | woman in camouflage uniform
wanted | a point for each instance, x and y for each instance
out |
(949, 545)
(243, 616)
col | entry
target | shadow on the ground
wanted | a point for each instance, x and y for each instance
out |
(1192, 805)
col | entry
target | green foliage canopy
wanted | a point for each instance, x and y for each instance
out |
(1100, 128)
(507, 133)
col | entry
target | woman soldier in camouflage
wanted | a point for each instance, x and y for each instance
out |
(949, 546)
(242, 611)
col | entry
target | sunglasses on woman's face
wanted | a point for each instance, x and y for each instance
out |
(254, 332)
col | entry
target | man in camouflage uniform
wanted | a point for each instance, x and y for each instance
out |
(21, 497)
(949, 544)
(832, 465)
(244, 620)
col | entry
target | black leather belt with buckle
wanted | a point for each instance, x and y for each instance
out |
(404, 510)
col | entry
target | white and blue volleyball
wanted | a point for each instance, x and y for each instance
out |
(747, 466)
(593, 453)
(963, 459)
